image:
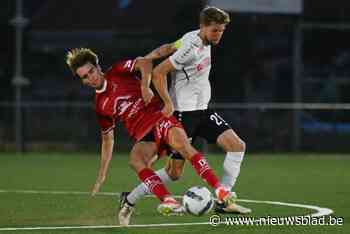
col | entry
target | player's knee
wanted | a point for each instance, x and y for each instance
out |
(232, 143)
(241, 145)
(179, 144)
(236, 146)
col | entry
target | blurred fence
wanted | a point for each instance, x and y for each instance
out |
(263, 126)
(52, 126)
(266, 58)
(319, 127)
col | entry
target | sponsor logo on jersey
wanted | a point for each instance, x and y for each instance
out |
(123, 106)
(135, 108)
(204, 63)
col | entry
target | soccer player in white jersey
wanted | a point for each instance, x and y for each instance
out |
(190, 92)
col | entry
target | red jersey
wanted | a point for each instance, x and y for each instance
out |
(120, 99)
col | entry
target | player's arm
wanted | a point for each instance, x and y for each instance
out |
(145, 67)
(159, 80)
(184, 55)
(106, 156)
(164, 50)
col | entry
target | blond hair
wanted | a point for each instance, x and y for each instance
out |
(212, 14)
(78, 57)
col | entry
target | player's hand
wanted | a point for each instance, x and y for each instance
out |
(147, 95)
(97, 185)
(168, 109)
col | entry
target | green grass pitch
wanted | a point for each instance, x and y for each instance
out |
(320, 180)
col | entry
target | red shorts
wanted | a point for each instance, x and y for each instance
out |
(161, 131)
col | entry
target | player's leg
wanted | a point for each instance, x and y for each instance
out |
(172, 171)
(166, 174)
(176, 162)
(178, 140)
(174, 166)
(235, 149)
(215, 129)
(141, 155)
(189, 121)
(128, 200)
(140, 158)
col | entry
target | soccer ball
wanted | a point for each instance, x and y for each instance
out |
(198, 200)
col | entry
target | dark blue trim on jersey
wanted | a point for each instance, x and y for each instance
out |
(187, 77)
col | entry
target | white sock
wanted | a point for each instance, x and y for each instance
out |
(142, 190)
(232, 165)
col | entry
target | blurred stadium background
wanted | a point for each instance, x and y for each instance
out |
(274, 54)
(280, 74)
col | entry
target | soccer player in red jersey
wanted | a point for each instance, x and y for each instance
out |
(123, 94)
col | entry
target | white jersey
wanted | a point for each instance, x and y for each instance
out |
(190, 88)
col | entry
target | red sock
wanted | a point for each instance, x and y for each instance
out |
(201, 166)
(154, 183)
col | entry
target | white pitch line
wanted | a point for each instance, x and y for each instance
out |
(320, 211)
(57, 192)
(103, 226)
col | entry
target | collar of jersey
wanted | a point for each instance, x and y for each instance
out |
(103, 88)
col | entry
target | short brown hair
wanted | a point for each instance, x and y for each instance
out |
(78, 57)
(213, 14)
